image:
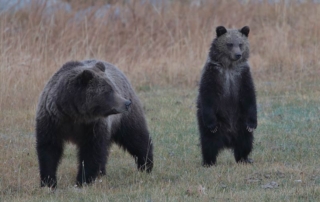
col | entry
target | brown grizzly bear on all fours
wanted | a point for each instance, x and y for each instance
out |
(226, 105)
(92, 104)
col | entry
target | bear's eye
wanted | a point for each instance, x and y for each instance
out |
(240, 45)
(229, 45)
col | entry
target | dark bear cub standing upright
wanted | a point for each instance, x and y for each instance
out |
(92, 104)
(226, 105)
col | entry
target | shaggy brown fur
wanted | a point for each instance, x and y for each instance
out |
(227, 112)
(91, 104)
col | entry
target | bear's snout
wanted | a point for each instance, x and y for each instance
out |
(237, 56)
(128, 103)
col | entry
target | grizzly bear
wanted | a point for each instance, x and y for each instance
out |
(226, 104)
(91, 104)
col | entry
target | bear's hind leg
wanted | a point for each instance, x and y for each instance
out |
(243, 146)
(92, 157)
(211, 144)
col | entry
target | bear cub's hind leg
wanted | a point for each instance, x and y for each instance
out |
(211, 145)
(243, 146)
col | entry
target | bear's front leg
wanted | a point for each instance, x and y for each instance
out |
(49, 155)
(251, 122)
(145, 160)
(134, 137)
(141, 148)
(248, 105)
(49, 150)
(92, 157)
(209, 119)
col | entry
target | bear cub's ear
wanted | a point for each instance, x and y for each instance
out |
(220, 31)
(245, 31)
(100, 66)
(85, 77)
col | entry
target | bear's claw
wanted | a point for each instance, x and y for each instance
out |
(214, 130)
(250, 129)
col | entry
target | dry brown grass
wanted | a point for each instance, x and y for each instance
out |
(154, 46)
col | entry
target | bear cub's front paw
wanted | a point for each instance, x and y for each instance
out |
(213, 127)
(250, 130)
(251, 127)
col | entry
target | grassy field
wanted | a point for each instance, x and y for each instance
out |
(286, 151)
(163, 54)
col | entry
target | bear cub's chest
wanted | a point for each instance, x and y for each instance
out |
(230, 79)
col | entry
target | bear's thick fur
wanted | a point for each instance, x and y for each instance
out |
(91, 104)
(226, 104)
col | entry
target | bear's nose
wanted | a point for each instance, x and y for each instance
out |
(238, 56)
(128, 103)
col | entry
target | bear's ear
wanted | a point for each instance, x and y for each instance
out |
(85, 77)
(245, 31)
(100, 66)
(220, 31)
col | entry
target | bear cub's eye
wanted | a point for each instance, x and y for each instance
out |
(229, 45)
(240, 45)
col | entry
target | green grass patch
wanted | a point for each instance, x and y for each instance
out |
(286, 151)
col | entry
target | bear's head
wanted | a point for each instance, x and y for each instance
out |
(231, 44)
(90, 94)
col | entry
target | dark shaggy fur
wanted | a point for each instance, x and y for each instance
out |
(90, 104)
(226, 105)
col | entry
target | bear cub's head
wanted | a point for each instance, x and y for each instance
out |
(230, 45)
(91, 94)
